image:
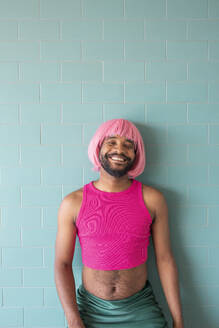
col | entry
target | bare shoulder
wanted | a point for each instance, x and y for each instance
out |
(74, 194)
(151, 191)
(74, 201)
(153, 199)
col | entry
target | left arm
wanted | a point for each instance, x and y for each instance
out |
(164, 258)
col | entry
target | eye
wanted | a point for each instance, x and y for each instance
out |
(129, 146)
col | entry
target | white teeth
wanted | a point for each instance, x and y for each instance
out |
(118, 159)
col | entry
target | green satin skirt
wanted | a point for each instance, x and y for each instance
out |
(140, 310)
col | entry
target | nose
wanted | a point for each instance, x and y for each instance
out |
(120, 150)
(119, 146)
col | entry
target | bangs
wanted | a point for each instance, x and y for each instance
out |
(123, 128)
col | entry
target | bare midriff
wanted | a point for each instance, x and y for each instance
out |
(115, 284)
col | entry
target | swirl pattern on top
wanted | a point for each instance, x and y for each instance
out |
(113, 228)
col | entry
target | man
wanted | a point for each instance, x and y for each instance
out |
(114, 217)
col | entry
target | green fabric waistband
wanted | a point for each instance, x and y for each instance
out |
(140, 310)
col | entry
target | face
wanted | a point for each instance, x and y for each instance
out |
(117, 155)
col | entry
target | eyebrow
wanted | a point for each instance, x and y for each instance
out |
(128, 140)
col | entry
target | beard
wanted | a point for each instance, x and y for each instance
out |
(115, 172)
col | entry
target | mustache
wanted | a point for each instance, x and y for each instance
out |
(114, 154)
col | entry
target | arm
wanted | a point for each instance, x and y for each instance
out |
(64, 252)
(164, 258)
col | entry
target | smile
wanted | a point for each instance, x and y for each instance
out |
(117, 160)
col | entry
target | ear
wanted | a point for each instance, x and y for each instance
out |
(99, 150)
(136, 148)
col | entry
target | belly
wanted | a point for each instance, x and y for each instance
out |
(115, 284)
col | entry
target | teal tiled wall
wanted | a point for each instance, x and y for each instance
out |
(66, 67)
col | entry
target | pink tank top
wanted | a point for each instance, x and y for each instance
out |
(113, 227)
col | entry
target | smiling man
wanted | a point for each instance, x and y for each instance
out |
(114, 217)
(122, 162)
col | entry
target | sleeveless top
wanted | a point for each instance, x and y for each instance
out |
(113, 227)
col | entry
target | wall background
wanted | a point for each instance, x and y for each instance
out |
(67, 66)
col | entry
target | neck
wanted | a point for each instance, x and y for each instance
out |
(107, 182)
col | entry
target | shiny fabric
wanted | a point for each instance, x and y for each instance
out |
(140, 310)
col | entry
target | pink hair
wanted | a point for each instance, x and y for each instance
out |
(123, 128)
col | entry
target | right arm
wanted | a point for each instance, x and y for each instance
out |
(64, 252)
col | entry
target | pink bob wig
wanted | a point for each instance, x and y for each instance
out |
(123, 128)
